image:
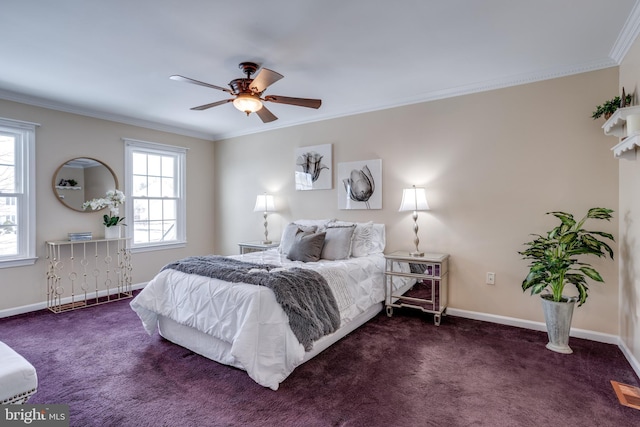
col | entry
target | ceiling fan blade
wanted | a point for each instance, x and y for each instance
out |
(213, 104)
(301, 102)
(197, 82)
(264, 79)
(265, 115)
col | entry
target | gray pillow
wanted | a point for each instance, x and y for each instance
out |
(289, 235)
(337, 244)
(307, 247)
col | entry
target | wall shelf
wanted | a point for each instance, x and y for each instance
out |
(626, 149)
(625, 124)
(615, 125)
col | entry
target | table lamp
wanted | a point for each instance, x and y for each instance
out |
(265, 204)
(414, 199)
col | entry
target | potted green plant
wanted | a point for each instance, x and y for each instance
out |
(610, 107)
(555, 262)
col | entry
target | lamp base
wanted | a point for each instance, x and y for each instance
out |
(417, 254)
(266, 242)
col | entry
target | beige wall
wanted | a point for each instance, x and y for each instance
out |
(63, 136)
(630, 223)
(493, 163)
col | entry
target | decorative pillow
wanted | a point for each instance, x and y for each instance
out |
(362, 242)
(368, 238)
(337, 243)
(307, 247)
(318, 223)
(289, 235)
(378, 239)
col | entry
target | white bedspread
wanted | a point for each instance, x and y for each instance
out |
(248, 318)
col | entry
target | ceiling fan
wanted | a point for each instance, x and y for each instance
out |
(248, 92)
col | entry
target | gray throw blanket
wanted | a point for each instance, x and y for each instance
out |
(303, 294)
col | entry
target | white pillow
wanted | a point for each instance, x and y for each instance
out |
(337, 242)
(289, 235)
(368, 238)
(318, 223)
(378, 239)
(362, 244)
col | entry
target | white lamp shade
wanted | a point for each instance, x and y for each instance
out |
(264, 203)
(414, 199)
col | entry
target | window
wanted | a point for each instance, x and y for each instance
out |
(155, 199)
(17, 193)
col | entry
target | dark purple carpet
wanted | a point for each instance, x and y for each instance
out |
(400, 371)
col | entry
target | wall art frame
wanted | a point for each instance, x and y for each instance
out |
(314, 168)
(360, 184)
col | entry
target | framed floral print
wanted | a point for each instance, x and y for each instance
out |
(360, 185)
(314, 168)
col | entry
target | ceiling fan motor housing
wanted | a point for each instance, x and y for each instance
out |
(248, 68)
(240, 85)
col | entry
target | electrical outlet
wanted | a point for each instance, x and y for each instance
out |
(491, 278)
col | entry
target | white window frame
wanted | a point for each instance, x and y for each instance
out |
(180, 153)
(25, 192)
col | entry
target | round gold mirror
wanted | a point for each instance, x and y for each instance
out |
(82, 179)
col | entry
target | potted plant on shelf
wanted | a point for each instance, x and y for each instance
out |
(610, 107)
(555, 262)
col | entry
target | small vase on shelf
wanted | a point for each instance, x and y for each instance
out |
(112, 232)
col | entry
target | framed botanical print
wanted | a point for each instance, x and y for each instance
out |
(360, 185)
(314, 168)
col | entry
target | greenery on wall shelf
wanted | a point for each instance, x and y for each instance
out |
(610, 107)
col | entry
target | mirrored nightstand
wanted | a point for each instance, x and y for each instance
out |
(256, 246)
(430, 291)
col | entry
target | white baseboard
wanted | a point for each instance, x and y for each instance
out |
(635, 364)
(536, 326)
(540, 326)
(43, 305)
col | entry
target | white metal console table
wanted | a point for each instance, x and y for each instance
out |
(87, 273)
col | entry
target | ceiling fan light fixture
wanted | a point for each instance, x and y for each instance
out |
(247, 103)
(246, 93)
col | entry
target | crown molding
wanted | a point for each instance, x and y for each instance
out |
(627, 36)
(66, 108)
(501, 83)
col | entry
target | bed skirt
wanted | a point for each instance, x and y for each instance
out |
(220, 351)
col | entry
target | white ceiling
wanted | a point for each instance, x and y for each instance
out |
(112, 59)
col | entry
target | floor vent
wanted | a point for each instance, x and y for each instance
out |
(628, 395)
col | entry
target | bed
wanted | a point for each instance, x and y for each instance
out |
(243, 325)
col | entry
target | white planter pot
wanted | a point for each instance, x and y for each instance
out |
(558, 317)
(112, 232)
